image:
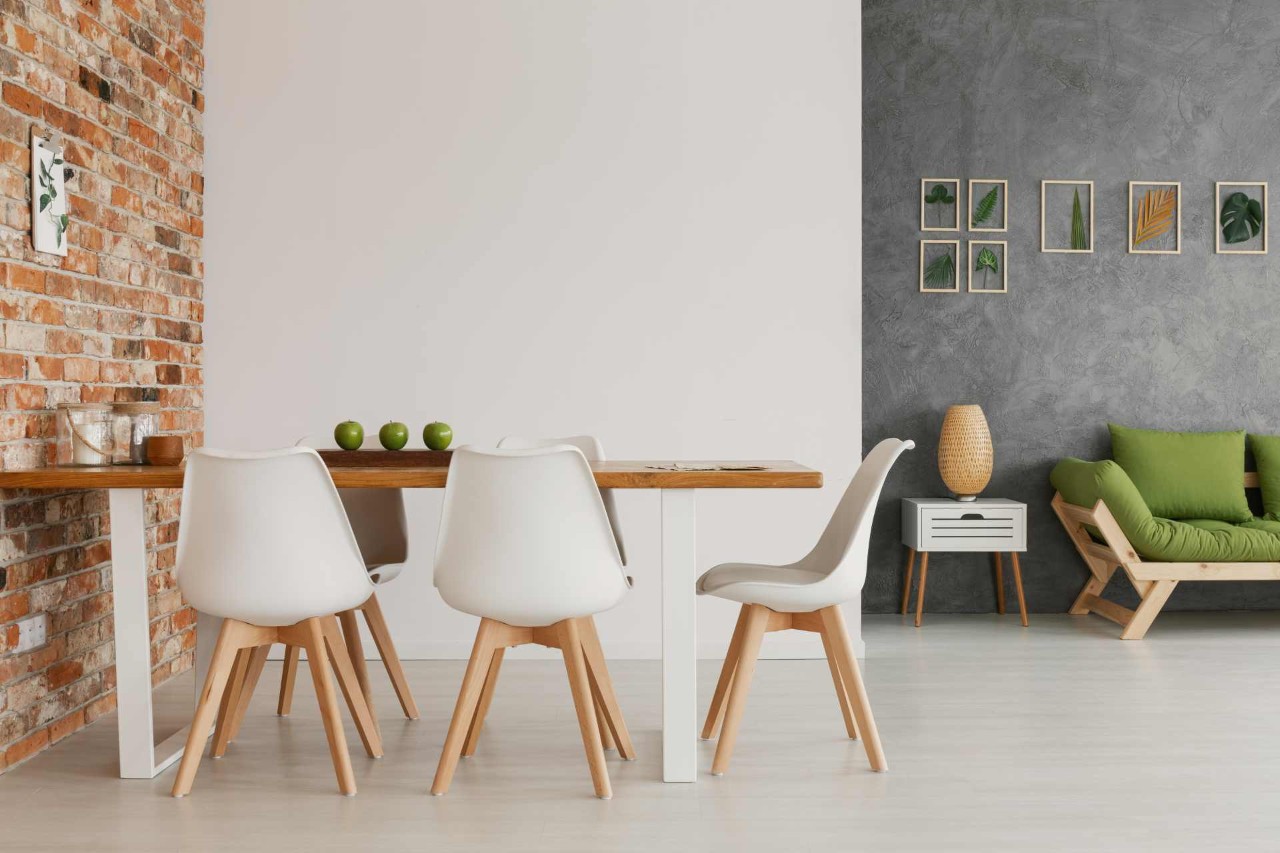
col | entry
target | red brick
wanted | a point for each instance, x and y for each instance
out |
(13, 365)
(22, 99)
(67, 725)
(22, 277)
(26, 747)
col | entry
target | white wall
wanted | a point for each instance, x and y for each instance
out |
(638, 220)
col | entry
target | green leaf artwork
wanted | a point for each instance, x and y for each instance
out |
(1241, 218)
(940, 272)
(988, 262)
(986, 206)
(939, 197)
(1079, 240)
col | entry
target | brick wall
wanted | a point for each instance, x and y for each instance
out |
(118, 319)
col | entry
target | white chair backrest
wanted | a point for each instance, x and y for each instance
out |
(263, 538)
(841, 552)
(377, 517)
(524, 538)
(594, 451)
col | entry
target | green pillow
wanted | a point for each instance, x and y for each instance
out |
(1266, 453)
(1185, 474)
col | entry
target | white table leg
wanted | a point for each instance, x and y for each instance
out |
(679, 637)
(140, 757)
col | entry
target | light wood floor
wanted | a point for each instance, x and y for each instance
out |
(1056, 737)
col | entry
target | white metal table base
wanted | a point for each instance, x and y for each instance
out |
(140, 756)
(679, 637)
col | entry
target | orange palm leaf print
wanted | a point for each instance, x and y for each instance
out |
(1155, 215)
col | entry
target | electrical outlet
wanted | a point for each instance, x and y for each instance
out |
(33, 632)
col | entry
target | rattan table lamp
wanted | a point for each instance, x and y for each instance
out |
(964, 451)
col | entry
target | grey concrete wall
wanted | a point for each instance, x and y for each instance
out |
(1030, 89)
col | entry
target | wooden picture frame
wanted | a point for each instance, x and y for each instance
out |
(1177, 217)
(1217, 220)
(1004, 266)
(925, 184)
(955, 269)
(1004, 202)
(1044, 192)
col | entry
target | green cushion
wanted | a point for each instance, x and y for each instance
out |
(1266, 453)
(1185, 474)
(1162, 539)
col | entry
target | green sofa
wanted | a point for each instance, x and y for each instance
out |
(1107, 508)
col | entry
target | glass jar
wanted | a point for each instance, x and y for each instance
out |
(135, 422)
(85, 434)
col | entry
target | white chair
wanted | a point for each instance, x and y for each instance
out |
(805, 595)
(263, 542)
(378, 520)
(594, 451)
(525, 544)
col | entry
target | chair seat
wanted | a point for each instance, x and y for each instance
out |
(783, 588)
(387, 572)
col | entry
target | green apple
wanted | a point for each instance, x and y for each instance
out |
(393, 435)
(349, 435)
(436, 435)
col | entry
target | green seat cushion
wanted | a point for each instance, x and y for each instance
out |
(1266, 453)
(1185, 474)
(1196, 540)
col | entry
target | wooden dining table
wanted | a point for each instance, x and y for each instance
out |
(142, 758)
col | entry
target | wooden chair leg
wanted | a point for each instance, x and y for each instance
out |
(230, 701)
(390, 659)
(609, 712)
(235, 714)
(580, 685)
(602, 720)
(482, 707)
(924, 573)
(906, 586)
(850, 725)
(1146, 612)
(349, 681)
(1017, 585)
(999, 583)
(833, 623)
(350, 635)
(318, 660)
(287, 678)
(715, 714)
(215, 683)
(752, 635)
(464, 711)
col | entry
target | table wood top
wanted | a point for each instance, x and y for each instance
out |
(629, 474)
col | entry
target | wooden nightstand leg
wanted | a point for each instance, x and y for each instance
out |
(999, 583)
(924, 572)
(1017, 582)
(906, 587)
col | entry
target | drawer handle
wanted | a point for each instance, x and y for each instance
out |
(972, 516)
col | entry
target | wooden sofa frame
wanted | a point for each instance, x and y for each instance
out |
(1154, 582)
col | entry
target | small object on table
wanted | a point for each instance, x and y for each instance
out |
(86, 434)
(987, 525)
(135, 423)
(348, 435)
(437, 435)
(393, 435)
(165, 450)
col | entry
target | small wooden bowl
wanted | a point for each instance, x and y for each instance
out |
(165, 450)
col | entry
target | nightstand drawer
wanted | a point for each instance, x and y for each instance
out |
(972, 530)
(954, 526)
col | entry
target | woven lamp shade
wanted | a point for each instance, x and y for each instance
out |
(964, 451)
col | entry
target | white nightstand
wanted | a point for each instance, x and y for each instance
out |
(992, 525)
